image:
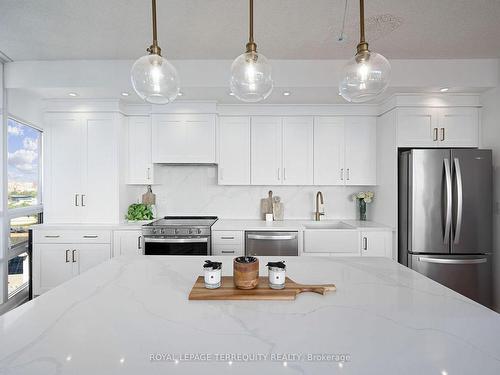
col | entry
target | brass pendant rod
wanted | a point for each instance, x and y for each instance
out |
(251, 46)
(362, 47)
(154, 48)
(250, 39)
(362, 21)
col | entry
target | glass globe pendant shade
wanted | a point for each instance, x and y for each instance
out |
(155, 80)
(365, 76)
(251, 79)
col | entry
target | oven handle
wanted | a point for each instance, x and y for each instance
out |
(176, 240)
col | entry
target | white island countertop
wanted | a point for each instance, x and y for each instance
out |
(123, 316)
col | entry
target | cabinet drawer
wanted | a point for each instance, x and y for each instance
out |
(72, 236)
(230, 250)
(227, 237)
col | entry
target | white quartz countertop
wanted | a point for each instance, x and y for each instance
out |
(118, 316)
(290, 225)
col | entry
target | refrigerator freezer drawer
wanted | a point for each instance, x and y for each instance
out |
(467, 275)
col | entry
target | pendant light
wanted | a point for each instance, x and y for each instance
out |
(367, 74)
(154, 79)
(251, 79)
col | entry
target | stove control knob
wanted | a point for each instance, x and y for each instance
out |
(153, 231)
(177, 231)
(199, 231)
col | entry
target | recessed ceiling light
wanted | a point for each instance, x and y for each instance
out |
(287, 93)
(73, 94)
(180, 93)
(444, 89)
(125, 93)
(231, 93)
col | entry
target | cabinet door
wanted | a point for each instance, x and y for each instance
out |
(183, 138)
(360, 151)
(234, 151)
(63, 180)
(298, 150)
(328, 150)
(458, 127)
(127, 242)
(140, 167)
(90, 255)
(376, 244)
(52, 266)
(417, 127)
(266, 151)
(99, 182)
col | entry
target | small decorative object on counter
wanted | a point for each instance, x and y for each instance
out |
(269, 217)
(138, 212)
(277, 274)
(213, 274)
(246, 272)
(278, 209)
(266, 205)
(363, 197)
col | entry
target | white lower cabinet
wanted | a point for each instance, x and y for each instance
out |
(56, 260)
(127, 242)
(226, 242)
(376, 244)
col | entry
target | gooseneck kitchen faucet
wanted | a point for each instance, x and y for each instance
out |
(319, 199)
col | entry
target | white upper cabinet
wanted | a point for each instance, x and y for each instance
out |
(140, 167)
(266, 151)
(81, 176)
(438, 127)
(63, 177)
(186, 138)
(298, 150)
(417, 127)
(328, 150)
(360, 164)
(345, 150)
(458, 127)
(234, 150)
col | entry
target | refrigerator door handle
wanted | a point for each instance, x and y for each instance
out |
(460, 200)
(447, 226)
(452, 261)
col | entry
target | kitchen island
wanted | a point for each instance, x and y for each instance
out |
(131, 315)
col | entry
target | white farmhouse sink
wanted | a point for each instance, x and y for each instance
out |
(331, 237)
(327, 225)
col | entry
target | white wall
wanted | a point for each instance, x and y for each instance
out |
(193, 190)
(491, 139)
(25, 106)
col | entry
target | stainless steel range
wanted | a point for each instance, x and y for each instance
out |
(178, 235)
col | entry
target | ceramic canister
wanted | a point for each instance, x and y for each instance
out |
(277, 274)
(212, 274)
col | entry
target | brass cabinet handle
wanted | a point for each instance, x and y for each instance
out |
(73, 258)
(442, 134)
(67, 254)
(435, 134)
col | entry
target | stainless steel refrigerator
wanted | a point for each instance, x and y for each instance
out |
(445, 218)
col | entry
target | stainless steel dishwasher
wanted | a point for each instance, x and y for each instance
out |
(265, 243)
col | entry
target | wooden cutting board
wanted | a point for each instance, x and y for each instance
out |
(228, 291)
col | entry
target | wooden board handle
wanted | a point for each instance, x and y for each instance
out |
(320, 289)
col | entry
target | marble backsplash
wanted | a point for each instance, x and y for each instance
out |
(193, 190)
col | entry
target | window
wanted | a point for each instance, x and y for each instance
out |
(24, 193)
(23, 164)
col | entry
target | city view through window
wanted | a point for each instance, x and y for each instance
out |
(23, 143)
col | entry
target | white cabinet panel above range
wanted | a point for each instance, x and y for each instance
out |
(183, 138)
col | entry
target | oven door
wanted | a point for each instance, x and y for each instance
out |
(176, 246)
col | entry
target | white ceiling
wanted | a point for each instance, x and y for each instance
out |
(217, 29)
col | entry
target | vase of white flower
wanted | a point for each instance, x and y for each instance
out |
(362, 198)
